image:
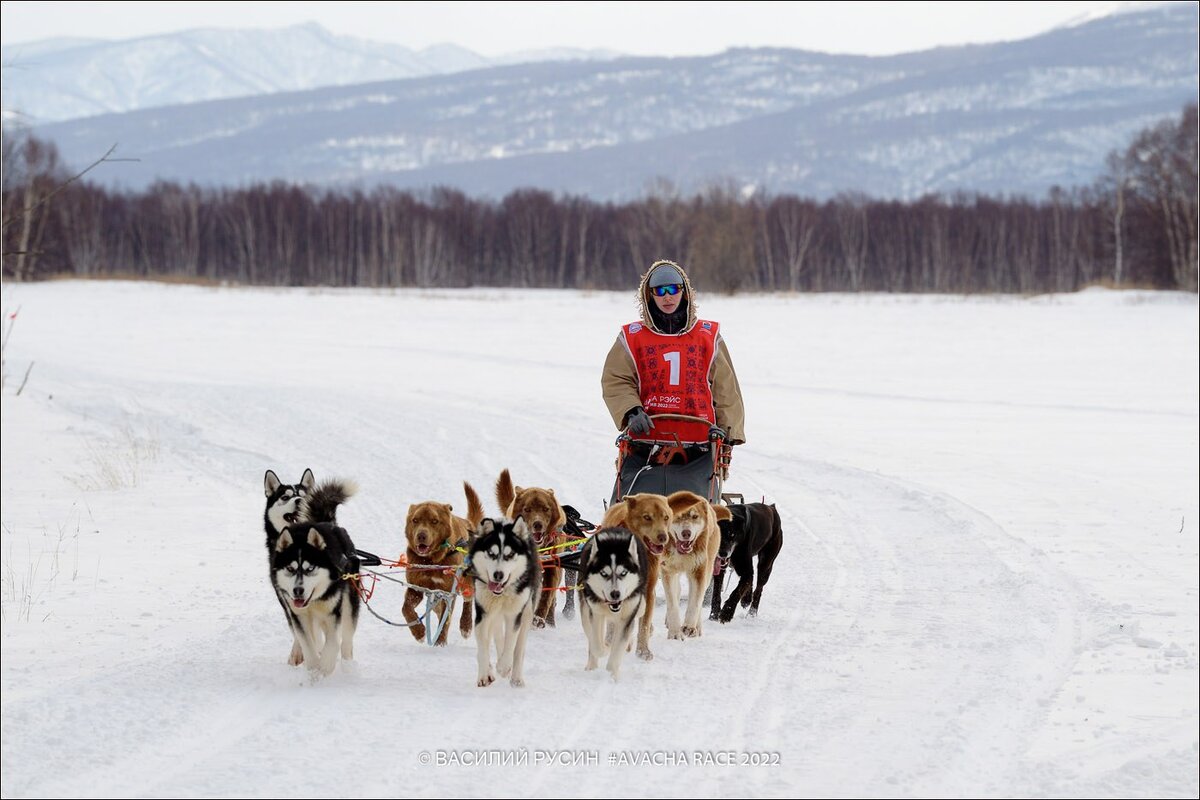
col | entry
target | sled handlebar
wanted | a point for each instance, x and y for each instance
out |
(715, 432)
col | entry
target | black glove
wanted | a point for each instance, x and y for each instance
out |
(638, 421)
(716, 432)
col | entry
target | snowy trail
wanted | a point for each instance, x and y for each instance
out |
(910, 641)
(930, 629)
(885, 597)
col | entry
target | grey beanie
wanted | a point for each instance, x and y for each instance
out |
(664, 274)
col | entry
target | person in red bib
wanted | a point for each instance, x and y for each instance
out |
(671, 362)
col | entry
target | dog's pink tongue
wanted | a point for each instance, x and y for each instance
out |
(684, 547)
(298, 602)
(717, 567)
(495, 588)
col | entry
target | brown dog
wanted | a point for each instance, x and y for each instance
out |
(434, 535)
(649, 517)
(695, 540)
(545, 518)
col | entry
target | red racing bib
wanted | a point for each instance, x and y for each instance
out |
(674, 374)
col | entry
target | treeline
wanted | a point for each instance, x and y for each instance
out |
(1135, 226)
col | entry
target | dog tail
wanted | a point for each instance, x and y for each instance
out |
(505, 492)
(475, 511)
(322, 504)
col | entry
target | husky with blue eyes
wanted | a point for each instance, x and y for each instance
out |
(309, 565)
(612, 591)
(508, 583)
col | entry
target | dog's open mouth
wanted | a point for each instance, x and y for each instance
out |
(685, 545)
(655, 547)
(423, 549)
(496, 587)
(614, 607)
(299, 602)
(290, 518)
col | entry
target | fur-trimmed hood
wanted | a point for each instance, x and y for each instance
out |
(644, 299)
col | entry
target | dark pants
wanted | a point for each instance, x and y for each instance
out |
(637, 478)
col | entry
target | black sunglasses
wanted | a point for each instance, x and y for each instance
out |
(671, 288)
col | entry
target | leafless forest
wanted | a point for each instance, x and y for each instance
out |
(1136, 226)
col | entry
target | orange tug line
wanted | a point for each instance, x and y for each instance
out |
(464, 584)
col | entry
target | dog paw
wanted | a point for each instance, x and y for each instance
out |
(591, 665)
(538, 622)
(690, 632)
(518, 683)
(486, 680)
(644, 654)
(568, 612)
(296, 657)
(675, 634)
(727, 614)
(504, 668)
(322, 669)
(753, 611)
(746, 600)
(418, 631)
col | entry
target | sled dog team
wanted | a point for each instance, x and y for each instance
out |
(642, 539)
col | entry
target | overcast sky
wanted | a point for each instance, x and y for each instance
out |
(638, 28)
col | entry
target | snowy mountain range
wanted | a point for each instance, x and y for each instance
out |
(59, 79)
(1013, 117)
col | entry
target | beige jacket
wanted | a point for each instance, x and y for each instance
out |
(620, 384)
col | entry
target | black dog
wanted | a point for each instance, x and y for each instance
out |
(755, 530)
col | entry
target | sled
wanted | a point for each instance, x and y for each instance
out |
(664, 466)
(660, 466)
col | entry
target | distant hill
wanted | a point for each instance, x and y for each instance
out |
(59, 79)
(1014, 117)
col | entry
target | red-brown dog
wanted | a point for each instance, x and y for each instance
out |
(544, 518)
(433, 535)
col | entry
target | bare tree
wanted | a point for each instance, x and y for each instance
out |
(852, 233)
(796, 221)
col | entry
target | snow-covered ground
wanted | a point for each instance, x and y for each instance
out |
(988, 583)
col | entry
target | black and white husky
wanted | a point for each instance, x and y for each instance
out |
(289, 504)
(308, 566)
(285, 503)
(508, 581)
(612, 591)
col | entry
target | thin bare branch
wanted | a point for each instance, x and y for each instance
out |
(104, 159)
